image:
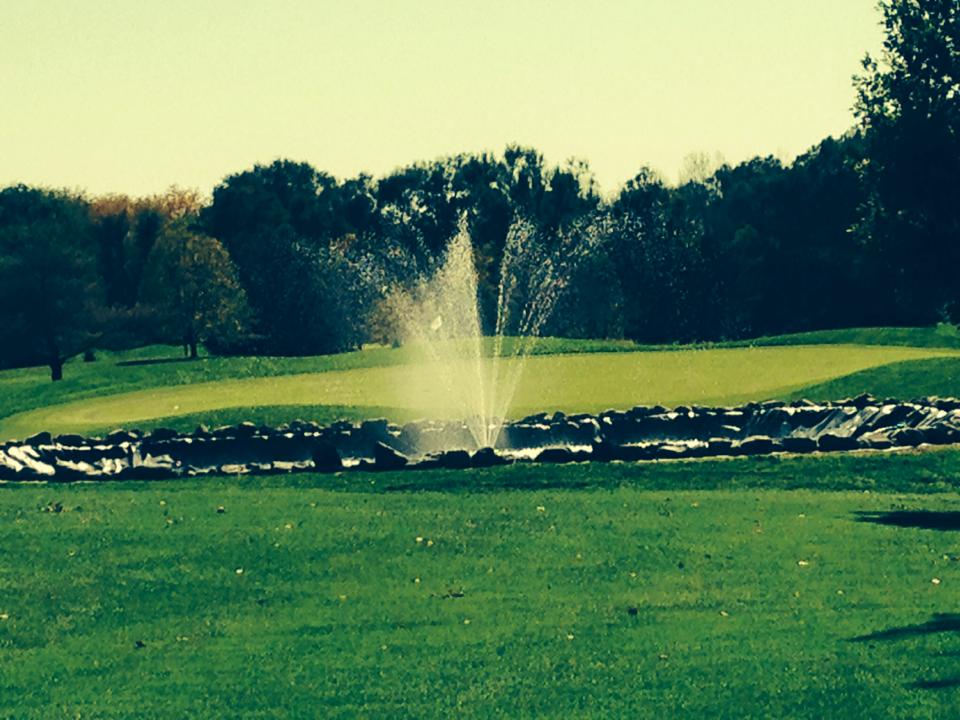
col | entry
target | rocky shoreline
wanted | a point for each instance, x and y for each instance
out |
(639, 434)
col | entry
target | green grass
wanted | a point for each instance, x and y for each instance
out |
(749, 596)
(582, 382)
(147, 386)
(516, 600)
(908, 379)
(940, 336)
(904, 380)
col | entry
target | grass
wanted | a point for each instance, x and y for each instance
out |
(516, 601)
(582, 382)
(159, 366)
(797, 587)
(908, 379)
(940, 336)
(164, 365)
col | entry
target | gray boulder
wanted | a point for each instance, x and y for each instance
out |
(386, 458)
(326, 458)
(454, 459)
(488, 457)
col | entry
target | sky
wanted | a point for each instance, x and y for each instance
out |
(131, 97)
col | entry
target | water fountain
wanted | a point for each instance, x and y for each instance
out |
(476, 379)
(440, 321)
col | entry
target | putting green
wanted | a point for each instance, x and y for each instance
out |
(588, 382)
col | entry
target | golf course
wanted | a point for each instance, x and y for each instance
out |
(152, 386)
(776, 586)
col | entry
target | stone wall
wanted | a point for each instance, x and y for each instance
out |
(642, 433)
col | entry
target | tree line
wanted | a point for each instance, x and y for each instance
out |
(286, 259)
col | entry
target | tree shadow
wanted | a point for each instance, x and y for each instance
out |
(923, 519)
(155, 361)
(939, 623)
(944, 684)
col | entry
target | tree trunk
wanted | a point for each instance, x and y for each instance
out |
(193, 349)
(56, 369)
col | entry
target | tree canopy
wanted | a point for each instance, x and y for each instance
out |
(284, 258)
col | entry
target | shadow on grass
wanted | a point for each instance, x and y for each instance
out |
(939, 623)
(155, 361)
(944, 684)
(923, 519)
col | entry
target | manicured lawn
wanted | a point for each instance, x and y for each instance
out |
(907, 379)
(577, 382)
(740, 588)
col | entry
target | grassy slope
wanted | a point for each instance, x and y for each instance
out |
(521, 608)
(164, 365)
(590, 383)
(909, 379)
(572, 382)
(904, 380)
(942, 336)
(158, 365)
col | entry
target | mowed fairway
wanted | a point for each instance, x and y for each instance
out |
(586, 382)
(609, 591)
(804, 587)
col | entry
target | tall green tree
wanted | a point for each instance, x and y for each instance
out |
(275, 221)
(909, 109)
(48, 277)
(191, 285)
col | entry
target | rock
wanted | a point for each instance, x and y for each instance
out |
(70, 440)
(69, 470)
(120, 436)
(9, 468)
(386, 458)
(602, 451)
(907, 437)
(429, 463)
(798, 444)
(862, 401)
(326, 458)
(245, 429)
(454, 459)
(829, 442)
(29, 458)
(876, 440)
(224, 431)
(528, 435)
(755, 445)
(633, 453)
(719, 446)
(41, 438)
(670, 451)
(941, 433)
(234, 469)
(411, 436)
(555, 455)
(488, 457)
(161, 434)
(376, 429)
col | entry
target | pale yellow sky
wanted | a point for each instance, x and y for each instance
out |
(133, 96)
